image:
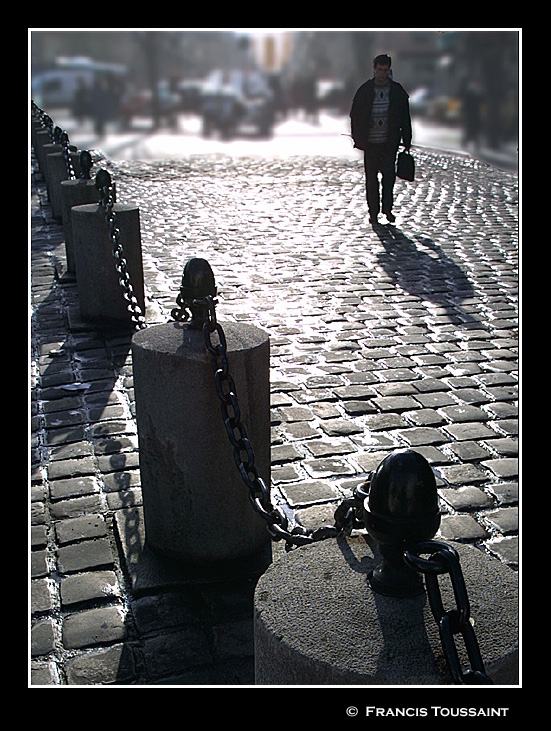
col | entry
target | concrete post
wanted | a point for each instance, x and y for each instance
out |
(76, 192)
(318, 621)
(196, 505)
(36, 127)
(48, 149)
(42, 138)
(56, 167)
(99, 290)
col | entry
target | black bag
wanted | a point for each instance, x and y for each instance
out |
(405, 167)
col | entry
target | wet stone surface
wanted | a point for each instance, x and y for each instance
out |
(398, 336)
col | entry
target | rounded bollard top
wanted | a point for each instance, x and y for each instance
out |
(85, 164)
(196, 295)
(103, 179)
(402, 505)
(198, 280)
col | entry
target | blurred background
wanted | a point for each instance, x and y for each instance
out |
(104, 86)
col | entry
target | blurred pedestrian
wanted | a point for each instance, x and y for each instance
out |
(309, 99)
(81, 102)
(380, 121)
(106, 94)
(471, 102)
(100, 104)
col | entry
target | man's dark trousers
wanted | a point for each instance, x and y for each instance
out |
(379, 157)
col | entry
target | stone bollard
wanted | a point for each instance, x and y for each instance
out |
(48, 149)
(36, 127)
(318, 621)
(196, 506)
(56, 167)
(103, 300)
(354, 611)
(77, 192)
(42, 138)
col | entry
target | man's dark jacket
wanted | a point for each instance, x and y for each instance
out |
(399, 120)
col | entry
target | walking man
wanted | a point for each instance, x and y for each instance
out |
(379, 121)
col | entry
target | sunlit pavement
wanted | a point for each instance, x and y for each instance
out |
(386, 337)
(330, 136)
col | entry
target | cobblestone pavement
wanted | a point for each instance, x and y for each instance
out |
(399, 336)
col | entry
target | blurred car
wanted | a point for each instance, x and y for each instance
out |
(435, 107)
(331, 95)
(419, 102)
(445, 110)
(57, 87)
(190, 93)
(140, 104)
(237, 102)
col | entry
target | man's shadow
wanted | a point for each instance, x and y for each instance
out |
(421, 268)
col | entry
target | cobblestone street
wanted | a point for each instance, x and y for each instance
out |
(381, 338)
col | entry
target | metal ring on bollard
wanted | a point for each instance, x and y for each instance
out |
(413, 558)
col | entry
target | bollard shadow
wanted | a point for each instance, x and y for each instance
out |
(84, 442)
(421, 267)
(401, 625)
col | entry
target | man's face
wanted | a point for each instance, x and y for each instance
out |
(381, 73)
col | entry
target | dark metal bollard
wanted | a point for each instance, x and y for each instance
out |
(77, 192)
(401, 509)
(370, 623)
(196, 508)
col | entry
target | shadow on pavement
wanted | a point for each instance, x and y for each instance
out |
(420, 266)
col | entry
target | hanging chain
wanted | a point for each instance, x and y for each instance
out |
(107, 201)
(181, 313)
(280, 521)
(444, 559)
(64, 139)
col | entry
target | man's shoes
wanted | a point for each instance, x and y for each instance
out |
(390, 217)
(373, 218)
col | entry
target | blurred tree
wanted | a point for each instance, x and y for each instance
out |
(361, 43)
(492, 56)
(150, 44)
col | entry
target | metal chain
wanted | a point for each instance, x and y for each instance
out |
(49, 125)
(107, 201)
(280, 521)
(64, 139)
(180, 313)
(443, 558)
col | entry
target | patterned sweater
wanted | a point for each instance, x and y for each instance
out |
(378, 128)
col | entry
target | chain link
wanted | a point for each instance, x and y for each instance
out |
(444, 559)
(107, 202)
(64, 139)
(182, 312)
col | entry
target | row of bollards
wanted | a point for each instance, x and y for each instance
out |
(350, 611)
(195, 507)
(102, 237)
